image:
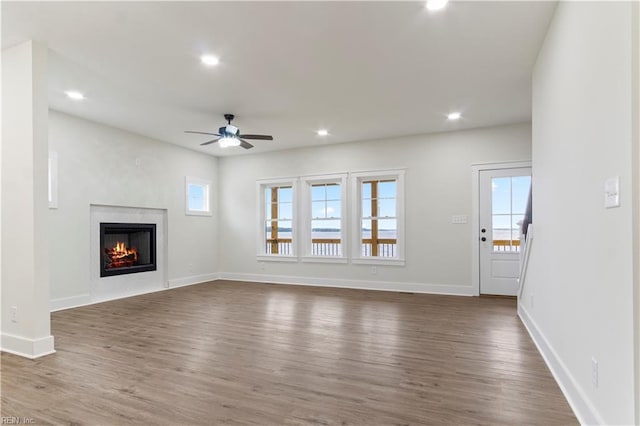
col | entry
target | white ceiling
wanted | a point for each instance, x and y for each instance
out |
(363, 70)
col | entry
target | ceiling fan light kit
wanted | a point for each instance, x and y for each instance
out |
(230, 135)
(227, 141)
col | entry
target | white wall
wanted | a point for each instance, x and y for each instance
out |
(438, 185)
(103, 165)
(578, 300)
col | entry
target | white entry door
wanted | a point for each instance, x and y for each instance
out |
(503, 202)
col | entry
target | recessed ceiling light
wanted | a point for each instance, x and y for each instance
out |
(322, 132)
(72, 94)
(454, 116)
(209, 60)
(436, 4)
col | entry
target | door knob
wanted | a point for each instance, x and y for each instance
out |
(483, 239)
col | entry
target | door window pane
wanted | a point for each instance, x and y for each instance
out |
(501, 195)
(516, 226)
(501, 233)
(520, 189)
(509, 198)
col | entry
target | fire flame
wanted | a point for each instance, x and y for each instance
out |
(120, 251)
(120, 255)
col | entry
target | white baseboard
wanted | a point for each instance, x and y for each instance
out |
(447, 289)
(195, 279)
(455, 290)
(28, 348)
(573, 392)
(69, 302)
(63, 303)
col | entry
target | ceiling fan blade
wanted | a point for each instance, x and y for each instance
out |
(202, 133)
(211, 141)
(245, 144)
(261, 137)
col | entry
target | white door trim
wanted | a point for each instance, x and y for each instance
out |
(475, 213)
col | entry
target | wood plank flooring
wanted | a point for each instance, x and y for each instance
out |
(241, 353)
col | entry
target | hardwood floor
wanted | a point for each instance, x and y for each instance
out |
(242, 353)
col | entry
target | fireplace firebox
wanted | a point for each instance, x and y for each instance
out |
(127, 248)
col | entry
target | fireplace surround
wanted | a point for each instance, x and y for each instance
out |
(127, 248)
(126, 285)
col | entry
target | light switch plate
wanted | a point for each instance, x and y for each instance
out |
(459, 219)
(612, 192)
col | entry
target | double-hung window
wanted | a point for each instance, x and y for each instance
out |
(324, 218)
(277, 232)
(378, 213)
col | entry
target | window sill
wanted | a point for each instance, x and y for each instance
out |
(378, 261)
(324, 259)
(276, 258)
(197, 213)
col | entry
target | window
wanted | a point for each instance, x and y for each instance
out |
(277, 219)
(324, 207)
(198, 199)
(378, 217)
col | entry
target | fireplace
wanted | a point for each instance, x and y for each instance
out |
(127, 248)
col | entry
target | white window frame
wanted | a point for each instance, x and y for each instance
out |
(53, 179)
(261, 185)
(191, 180)
(356, 217)
(306, 216)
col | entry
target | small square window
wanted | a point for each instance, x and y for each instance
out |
(198, 197)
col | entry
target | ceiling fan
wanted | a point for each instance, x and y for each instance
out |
(229, 135)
